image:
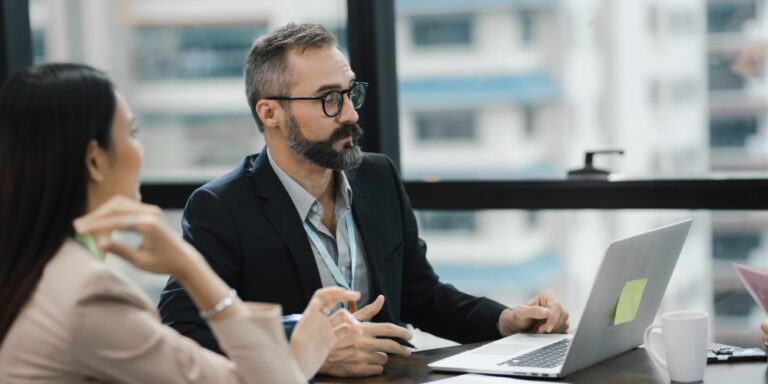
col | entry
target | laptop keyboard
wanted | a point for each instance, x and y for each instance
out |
(547, 357)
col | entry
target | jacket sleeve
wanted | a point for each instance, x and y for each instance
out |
(209, 227)
(117, 337)
(432, 305)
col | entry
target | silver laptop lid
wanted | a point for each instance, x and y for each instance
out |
(651, 255)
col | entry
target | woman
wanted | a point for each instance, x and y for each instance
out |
(67, 149)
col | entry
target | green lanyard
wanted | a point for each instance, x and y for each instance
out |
(88, 243)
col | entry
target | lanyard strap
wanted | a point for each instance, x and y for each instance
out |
(335, 272)
(88, 243)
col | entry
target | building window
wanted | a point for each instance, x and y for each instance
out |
(192, 52)
(445, 126)
(441, 30)
(722, 76)
(38, 46)
(729, 16)
(529, 121)
(528, 27)
(198, 140)
(731, 132)
(681, 22)
(448, 221)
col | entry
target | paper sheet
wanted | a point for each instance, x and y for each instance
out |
(629, 301)
(472, 378)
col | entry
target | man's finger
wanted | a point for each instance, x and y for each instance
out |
(532, 312)
(388, 346)
(345, 336)
(764, 326)
(369, 311)
(554, 320)
(343, 317)
(386, 330)
(371, 370)
(373, 357)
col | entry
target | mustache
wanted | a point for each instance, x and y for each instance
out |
(345, 130)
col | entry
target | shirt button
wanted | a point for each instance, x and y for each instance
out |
(314, 208)
(343, 269)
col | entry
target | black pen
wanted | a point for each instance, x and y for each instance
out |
(400, 341)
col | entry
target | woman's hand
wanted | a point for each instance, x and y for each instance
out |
(162, 251)
(764, 336)
(316, 333)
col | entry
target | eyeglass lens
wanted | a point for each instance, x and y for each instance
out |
(334, 100)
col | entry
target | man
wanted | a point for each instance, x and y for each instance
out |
(311, 210)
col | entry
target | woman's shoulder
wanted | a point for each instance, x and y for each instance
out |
(81, 279)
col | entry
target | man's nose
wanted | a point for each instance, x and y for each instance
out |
(348, 114)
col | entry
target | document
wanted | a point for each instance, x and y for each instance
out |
(472, 378)
(629, 301)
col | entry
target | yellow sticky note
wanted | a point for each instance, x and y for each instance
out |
(629, 301)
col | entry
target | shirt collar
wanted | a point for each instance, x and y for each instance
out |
(303, 200)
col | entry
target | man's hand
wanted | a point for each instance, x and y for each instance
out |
(542, 314)
(764, 336)
(367, 353)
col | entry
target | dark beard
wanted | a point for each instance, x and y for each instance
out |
(321, 153)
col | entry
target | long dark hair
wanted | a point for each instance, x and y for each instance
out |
(48, 115)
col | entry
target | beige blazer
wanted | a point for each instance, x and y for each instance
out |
(86, 323)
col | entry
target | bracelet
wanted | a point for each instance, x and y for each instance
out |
(222, 305)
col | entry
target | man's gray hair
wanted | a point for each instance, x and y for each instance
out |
(267, 73)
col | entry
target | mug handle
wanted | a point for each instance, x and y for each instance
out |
(646, 340)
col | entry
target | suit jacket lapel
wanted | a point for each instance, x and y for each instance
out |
(281, 213)
(367, 221)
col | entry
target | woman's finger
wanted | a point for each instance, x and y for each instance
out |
(122, 222)
(122, 203)
(119, 206)
(121, 250)
(331, 296)
(142, 224)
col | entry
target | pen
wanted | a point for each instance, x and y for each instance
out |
(401, 341)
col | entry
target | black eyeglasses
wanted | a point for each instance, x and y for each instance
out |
(333, 101)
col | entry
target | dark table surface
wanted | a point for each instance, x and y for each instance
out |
(634, 366)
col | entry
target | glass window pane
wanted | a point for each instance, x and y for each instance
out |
(511, 255)
(179, 65)
(681, 86)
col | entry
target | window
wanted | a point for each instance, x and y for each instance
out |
(445, 126)
(193, 52)
(38, 46)
(528, 27)
(729, 16)
(179, 66)
(732, 131)
(529, 121)
(722, 76)
(682, 22)
(442, 30)
(447, 222)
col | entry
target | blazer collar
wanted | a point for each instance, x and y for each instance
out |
(282, 215)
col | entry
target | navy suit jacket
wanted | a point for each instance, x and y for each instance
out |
(246, 226)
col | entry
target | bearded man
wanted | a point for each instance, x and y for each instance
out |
(312, 210)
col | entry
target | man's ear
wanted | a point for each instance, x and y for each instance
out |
(270, 113)
(96, 162)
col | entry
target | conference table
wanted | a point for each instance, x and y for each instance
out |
(634, 366)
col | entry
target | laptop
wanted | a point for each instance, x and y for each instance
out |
(616, 314)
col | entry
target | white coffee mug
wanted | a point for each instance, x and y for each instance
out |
(686, 337)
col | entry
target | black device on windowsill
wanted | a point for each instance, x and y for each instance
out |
(721, 353)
